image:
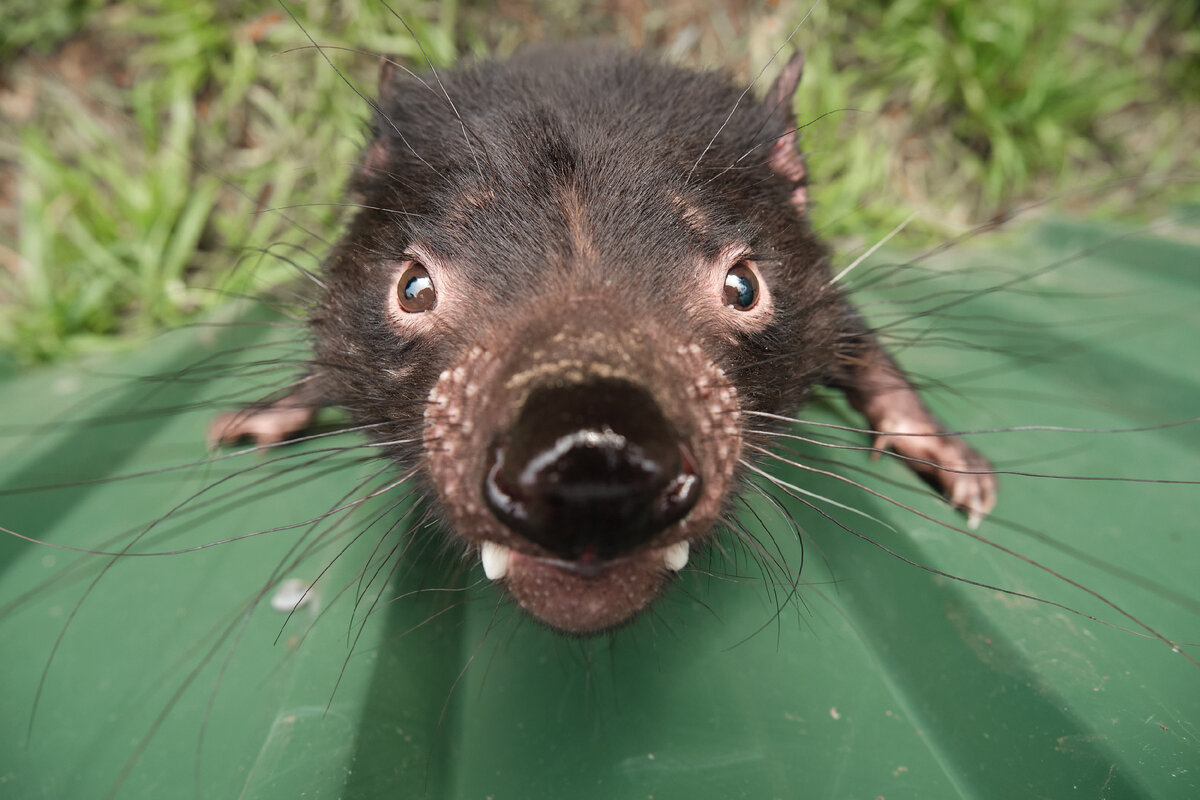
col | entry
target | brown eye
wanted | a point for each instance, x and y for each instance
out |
(415, 290)
(741, 287)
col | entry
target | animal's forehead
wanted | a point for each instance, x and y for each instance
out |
(581, 224)
(564, 189)
(588, 166)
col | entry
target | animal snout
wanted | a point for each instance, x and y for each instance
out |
(590, 471)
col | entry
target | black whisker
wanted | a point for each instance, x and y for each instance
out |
(1151, 632)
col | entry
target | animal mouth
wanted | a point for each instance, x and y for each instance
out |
(589, 472)
(496, 560)
(584, 472)
(585, 595)
(590, 478)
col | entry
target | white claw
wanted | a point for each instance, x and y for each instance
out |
(675, 557)
(495, 558)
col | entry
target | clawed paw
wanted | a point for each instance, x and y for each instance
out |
(264, 426)
(950, 465)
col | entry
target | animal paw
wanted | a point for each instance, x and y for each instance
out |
(265, 425)
(946, 462)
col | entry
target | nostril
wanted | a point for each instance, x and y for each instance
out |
(590, 470)
(681, 494)
(502, 496)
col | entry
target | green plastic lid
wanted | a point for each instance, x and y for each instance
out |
(404, 674)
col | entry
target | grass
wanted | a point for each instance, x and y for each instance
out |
(152, 151)
(141, 189)
(968, 109)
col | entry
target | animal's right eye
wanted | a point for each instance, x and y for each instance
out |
(415, 290)
(741, 287)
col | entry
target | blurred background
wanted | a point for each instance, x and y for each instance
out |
(158, 156)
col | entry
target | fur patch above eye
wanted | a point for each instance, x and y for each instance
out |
(415, 291)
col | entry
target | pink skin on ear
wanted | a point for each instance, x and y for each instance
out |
(784, 157)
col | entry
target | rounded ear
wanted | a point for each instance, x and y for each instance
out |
(374, 161)
(391, 76)
(785, 158)
(784, 88)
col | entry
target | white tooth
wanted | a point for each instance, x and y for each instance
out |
(495, 558)
(675, 557)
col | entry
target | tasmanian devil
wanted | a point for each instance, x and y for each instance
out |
(571, 278)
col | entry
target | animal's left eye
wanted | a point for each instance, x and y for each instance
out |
(741, 287)
(415, 290)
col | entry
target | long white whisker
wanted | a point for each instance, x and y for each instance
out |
(959, 471)
(748, 89)
(784, 484)
(1151, 633)
(873, 248)
(974, 432)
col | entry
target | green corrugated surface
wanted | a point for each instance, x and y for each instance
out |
(877, 680)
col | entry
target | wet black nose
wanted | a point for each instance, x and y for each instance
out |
(590, 471)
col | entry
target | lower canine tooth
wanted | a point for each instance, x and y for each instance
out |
(495, 558)
(675, 557)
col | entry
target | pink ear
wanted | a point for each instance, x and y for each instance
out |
(784, 157)
(389, 74)
(375, 159)
(784, 87)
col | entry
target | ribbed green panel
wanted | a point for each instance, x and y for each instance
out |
(877, 679)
